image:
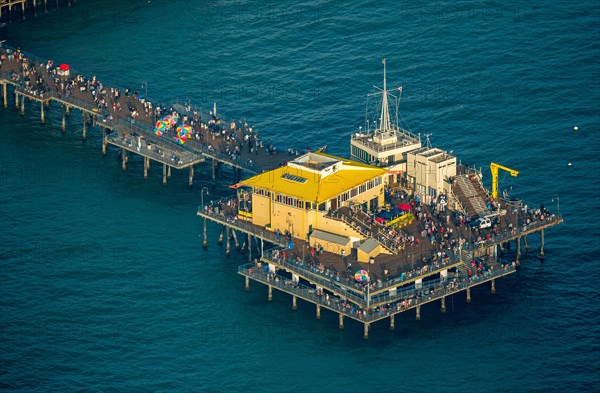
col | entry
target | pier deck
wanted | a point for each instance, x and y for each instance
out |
(414, 270)
(130, 117)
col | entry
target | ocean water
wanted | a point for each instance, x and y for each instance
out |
(104, 284)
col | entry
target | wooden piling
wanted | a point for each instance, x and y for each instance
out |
(249, 247)
(146, 166)
(318, 311)
(84, 130)
(123, 160)
(103, 141)
(418, 315)
(493, 290)
(205, 240)
(392, 322)
(366, 331)
(468, 295)
(64, 120)
(294, 305)
(542, 242)
(220, 241)
(164, 174)
(227, 244)
(42, 117)
(341, 321)
(191, 176)
(270, 297)
(443, 308)
(247, 287)
(5, 94)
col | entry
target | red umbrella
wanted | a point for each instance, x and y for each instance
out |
(64, 67)
(380, 220)
(404, 206)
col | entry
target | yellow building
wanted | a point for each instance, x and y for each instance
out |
(296, 198)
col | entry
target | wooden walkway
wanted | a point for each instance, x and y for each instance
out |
(7, 7)
(232, 143)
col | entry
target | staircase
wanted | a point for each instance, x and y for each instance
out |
(473, 200)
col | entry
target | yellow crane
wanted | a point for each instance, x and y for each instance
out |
(494, 168)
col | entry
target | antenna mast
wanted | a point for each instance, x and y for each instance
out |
(384, 121)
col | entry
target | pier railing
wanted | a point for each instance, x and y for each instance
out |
(357, 295)
(379, 306)
(316, 278)
(519, 231)
(233, 222)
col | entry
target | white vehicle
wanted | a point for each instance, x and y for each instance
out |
(481, 223)
(485, 222)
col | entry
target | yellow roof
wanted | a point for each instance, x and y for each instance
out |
(312, 185)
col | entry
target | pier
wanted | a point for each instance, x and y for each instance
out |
(365, 242)
(127, 120)
(7, 7)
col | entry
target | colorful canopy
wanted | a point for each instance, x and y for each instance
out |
(160, 127)
(184, 129)
(404, 207)
(64, 67)
(171, 119)
(181, 137)
(361, 276)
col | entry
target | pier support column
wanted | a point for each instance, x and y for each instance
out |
(318, 311)
(227, 245)
(542, 242)
(103, 141)
(366, 331)
(67, 110)
(124, 159)
(214, 170)
(249, 248)
(168, 171)
(468, 295)
(205, 240)
(247, 288)
(220, 241)
(294, 305)
(494, 286)
(235, 240)
(418, 316)
(518, 248)
(42, 117)
(443, 308)
(64, 120)
(16, 99)
(341, 321)
(270, 297)
(84, 129)
(392, 322)
(526, 244)
(22, 105)
(45, 6)
(4, 95)
(164, 174)
(146, 165)
(23, 9)
(191, 176)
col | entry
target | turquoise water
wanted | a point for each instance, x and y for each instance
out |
(104, 283)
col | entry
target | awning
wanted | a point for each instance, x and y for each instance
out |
(65, 67)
